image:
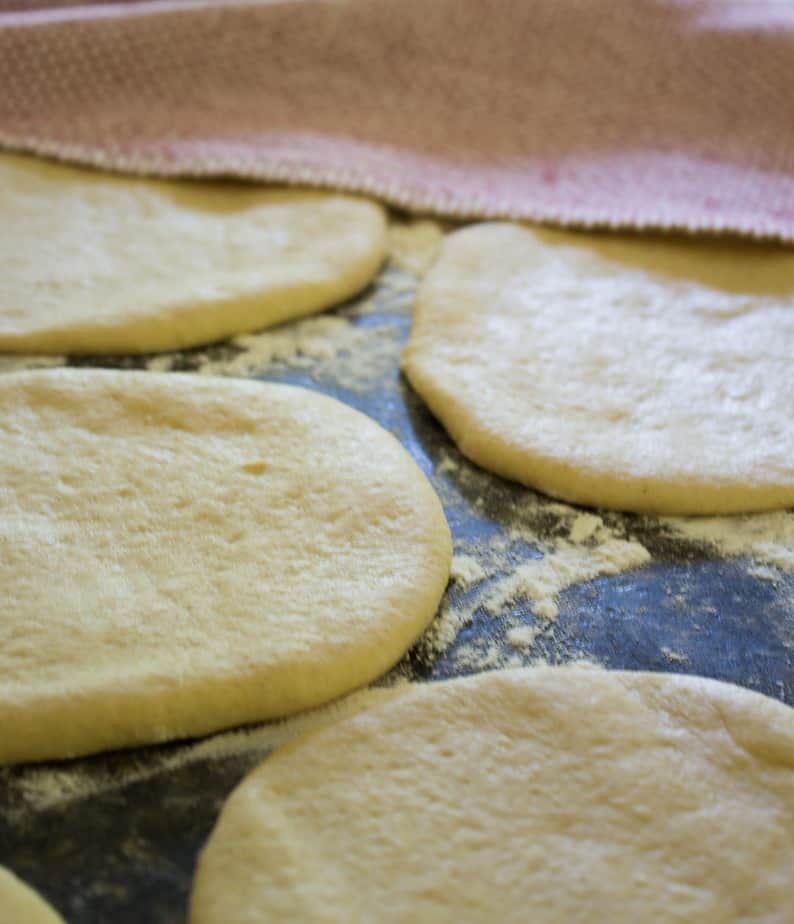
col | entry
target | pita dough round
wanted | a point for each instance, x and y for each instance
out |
(543, 795)
(19, 904)
(95, 263)
(633, 373)
(182, 554)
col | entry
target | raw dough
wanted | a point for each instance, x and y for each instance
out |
(645, 374)
(19, 904)
(543, 795)
(94, 263)
(180, 554)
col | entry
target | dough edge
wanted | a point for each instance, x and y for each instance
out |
(581, 484)
(25, 905)
(167, 708)
(739, 708)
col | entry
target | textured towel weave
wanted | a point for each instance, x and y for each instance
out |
(666, 113)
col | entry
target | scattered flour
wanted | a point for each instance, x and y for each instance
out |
(540, 581)
(299, 343)
(523, 637)
(452, 616)
(510, 581)
(766, 537)
(765, 573)
(584, 526)
(480, 655)
(447, 464)
(548, 546)
(330, 346)
(163, 362)
(466, 570)
(46, 787)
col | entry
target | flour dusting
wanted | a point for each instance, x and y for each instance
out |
(466, 570)
(766, 537)
(452, 616)
(540, 581)
(676, 657)
(47, 787)
(329, 346)
(510, 581)
(584, 527)
(523, 637)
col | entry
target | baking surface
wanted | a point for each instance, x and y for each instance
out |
(114, 838)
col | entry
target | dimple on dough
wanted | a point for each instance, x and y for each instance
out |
(637, 373)
(548, 795)
(96, 263)
(19, 904)
(180, 554)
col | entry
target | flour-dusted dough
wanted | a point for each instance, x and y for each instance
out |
(542, 795)
(94, 263)
(180, 554)
(19, 904)
(644, 374)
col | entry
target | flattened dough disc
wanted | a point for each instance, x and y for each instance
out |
(635, 373)
(96, 263)
(542, 795)
(182, 554)
(19, 904)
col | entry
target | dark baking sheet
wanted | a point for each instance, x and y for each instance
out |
(127, 854)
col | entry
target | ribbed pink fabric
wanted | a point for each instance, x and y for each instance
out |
(666, 113)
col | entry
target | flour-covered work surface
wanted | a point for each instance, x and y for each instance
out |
(533, 580)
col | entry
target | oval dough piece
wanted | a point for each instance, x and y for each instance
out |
(182, 554)
(19, 904)
(643, 374)
(543, 795)
(96, 263)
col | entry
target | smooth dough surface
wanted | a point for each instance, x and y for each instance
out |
(636, 373)
(19, 904)
(543, 795)
(180, 554)
(96, 263)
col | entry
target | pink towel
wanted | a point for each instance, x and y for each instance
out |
(665, 113)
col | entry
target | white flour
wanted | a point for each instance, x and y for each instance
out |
(466, 570)
(44, 788)
(766, 537)
(540, 581)
(517, 595)
(523, 637)
(331, 346)
(676, 657)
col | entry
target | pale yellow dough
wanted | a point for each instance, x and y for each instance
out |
(19, 904)
(180, 554)
(95, 263)
(637, 373)
(541, 795)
